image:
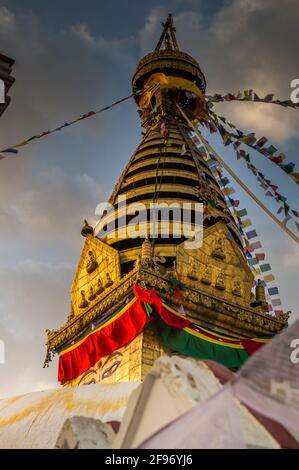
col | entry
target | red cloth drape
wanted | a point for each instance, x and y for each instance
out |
(102, 343)
(117, 334)
(150, 297)
(250, 345)
(121, 331)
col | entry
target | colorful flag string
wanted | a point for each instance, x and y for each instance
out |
(257, 144)
(236, 178)
(250, 95)
(250, 248)
(264, 182)
(15, 148)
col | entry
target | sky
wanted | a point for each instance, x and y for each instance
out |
(73, 57)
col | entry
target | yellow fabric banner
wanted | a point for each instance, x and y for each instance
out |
(167, 81)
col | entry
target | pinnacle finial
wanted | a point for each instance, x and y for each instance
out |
(168, 38)
(87, 229)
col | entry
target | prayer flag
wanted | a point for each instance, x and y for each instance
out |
(242, 212)
(265, 267)
(269, 278)
(251, 234)
(273, 291)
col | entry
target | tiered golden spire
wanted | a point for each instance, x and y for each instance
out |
(166, 168)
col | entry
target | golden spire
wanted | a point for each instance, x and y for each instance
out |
(168, 38)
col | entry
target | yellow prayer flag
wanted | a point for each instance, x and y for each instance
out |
(269, 278)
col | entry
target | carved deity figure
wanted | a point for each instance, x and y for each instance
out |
(237, 288)
(91, 264)
(91, 294)
(100, 287)
(109, 281)
(207, 276)
(192, 274)
(220, 282)
(83, 302)
(218, 251)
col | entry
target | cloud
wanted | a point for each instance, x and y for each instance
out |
(48, 205)
(291, 260)
(7, 19)
(81, 30)
(151, 31)
(61, 77)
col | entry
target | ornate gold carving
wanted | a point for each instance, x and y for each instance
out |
(236, 287)
(99, 287)
(226, 315)
(233, 317)
(192, 272)
(207, 275)
(84, 302)
(220, 281)
(218, 254)
(91, 295)
(109, 281)
(175, 60)
(103, 303)
(146, 255)
(91, 264)
(219, 245)
(260, 293)
(96, 261)
(283, 316)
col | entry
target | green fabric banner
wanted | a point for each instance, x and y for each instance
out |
(185, 343)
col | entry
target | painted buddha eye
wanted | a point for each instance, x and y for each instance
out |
(108, 372)
(89, 382)
(89, 377)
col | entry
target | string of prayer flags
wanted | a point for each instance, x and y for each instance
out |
(265, 183)
(257, 144)
(250, 95)
(252, 259)
(14, 149)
